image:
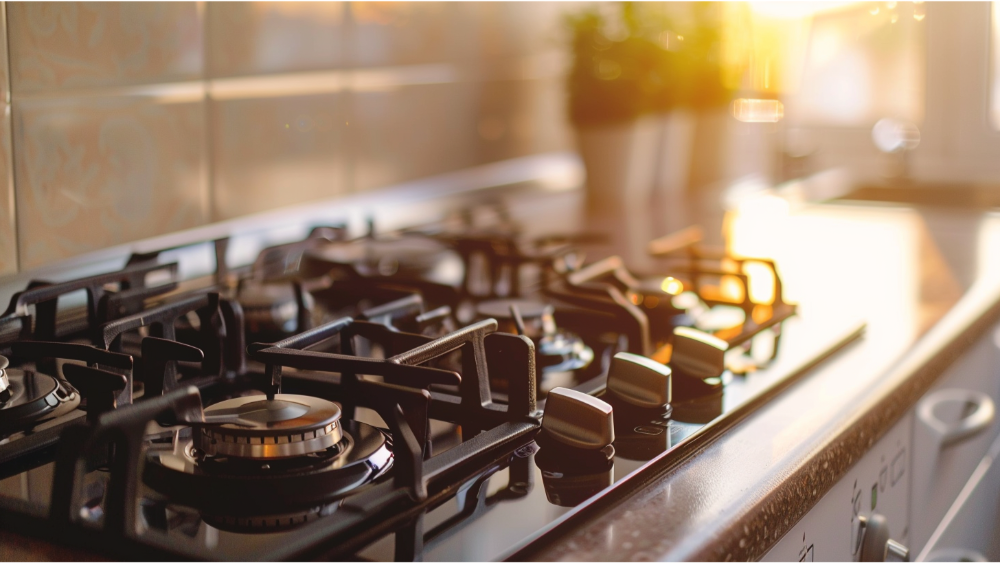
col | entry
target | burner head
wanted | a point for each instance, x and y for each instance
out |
(4, 381)
(271, 308)
(414, 258)
(27, 396)
(242, 494)
(558, 351)
(255, 428)
(538, 317)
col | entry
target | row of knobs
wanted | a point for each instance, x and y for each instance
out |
(637, 386)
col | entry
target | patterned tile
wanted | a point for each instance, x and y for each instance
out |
(95, 172)
(271, 152)
(59, 45)
(266, 37)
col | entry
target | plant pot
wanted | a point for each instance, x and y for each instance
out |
(636, 178)
(620, 162)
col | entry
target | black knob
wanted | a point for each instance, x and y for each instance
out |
(638, 381)
(577, 420)
(698, 354)
(99, 387)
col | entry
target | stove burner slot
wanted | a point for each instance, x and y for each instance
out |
(386, 314)
(93, 356)
(99, 387)
(125, 430)
(40, 352)
(129, 301)
(409, 422)
(223, 345)
(278, 261)
(159, 358)
(44, 296)
(582, 291)
(220, 246)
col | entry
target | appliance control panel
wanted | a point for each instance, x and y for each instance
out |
(865, 516)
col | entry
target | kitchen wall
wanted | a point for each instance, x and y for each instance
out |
(125, 121)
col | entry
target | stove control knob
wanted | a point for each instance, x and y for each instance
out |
(577, 420)
(875, 542)
(698, 354)
(638, 381)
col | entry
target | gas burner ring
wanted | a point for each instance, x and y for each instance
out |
(268, 486)
(4, 381)
(288, 426)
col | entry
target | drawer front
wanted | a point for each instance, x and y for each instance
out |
(943, 462)
(968, 531)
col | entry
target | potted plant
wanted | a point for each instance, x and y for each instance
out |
(637, 85)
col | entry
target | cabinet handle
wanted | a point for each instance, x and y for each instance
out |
(978, 414)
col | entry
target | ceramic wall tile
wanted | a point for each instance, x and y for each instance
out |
(266, 37)
(411, 132)
(8, 238)
(512, 29)
(95, 172)
(404, 33)
(279, 151)
(4, 72)
(522, 117)
(61, 45)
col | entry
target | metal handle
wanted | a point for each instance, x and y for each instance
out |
(978, 414)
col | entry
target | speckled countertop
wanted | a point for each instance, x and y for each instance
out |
(928, 288)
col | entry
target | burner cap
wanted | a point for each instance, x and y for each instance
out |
(254, 489)
(288, 426)
(500, 308)
(271, 306)
(4, 381)
(28, 396)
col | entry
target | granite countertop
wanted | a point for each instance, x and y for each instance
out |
(925, 283)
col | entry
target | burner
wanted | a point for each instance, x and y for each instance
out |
(271, 309)
(27, 396)
(288, 426)
(276, 468)
(4, 381)
(268, 522)
(528, 308)
(415, 258)
(559, 353)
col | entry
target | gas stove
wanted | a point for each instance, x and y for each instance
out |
(458, 390)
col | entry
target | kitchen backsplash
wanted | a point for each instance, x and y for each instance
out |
(132, 120)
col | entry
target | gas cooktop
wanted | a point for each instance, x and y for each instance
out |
(453, 391)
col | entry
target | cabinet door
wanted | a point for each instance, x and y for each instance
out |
(953, 426)
(968, 531)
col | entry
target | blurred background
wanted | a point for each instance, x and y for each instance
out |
(125, 121)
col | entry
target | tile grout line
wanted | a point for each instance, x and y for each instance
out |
(11, 174)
